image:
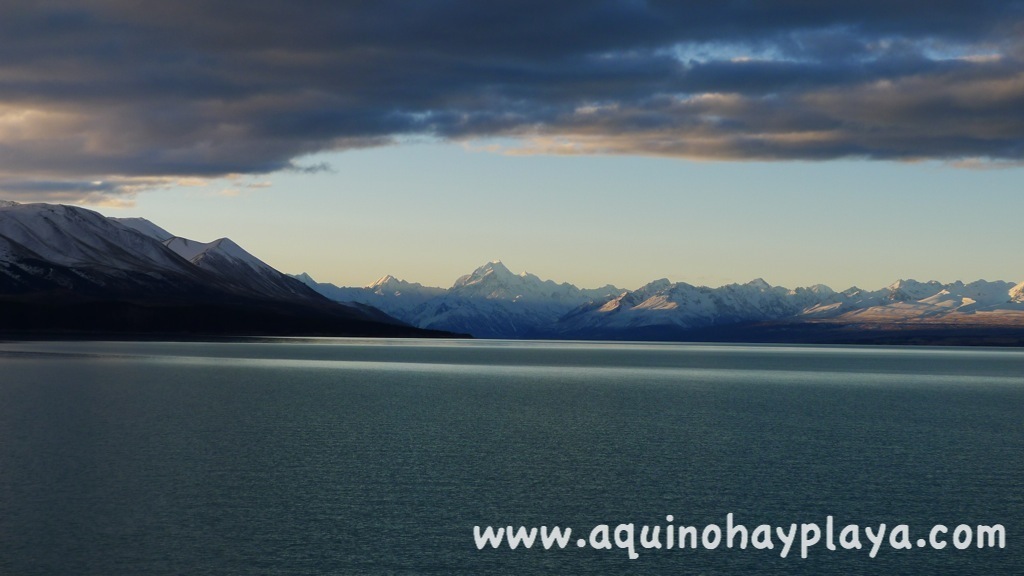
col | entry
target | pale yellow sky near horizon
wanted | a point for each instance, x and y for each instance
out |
(430, 213)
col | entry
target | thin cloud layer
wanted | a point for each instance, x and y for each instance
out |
(105, 98)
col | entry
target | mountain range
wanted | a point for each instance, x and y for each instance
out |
(65, 270)
(68, 270)
(493, 302)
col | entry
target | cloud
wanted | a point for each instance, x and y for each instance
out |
(138, 95)
(242, 188)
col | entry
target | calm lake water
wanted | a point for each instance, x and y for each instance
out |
(379, 457)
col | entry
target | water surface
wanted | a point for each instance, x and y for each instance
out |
(378, 457)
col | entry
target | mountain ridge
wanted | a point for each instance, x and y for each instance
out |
(69, 270)
(493, 302)
(60, 265)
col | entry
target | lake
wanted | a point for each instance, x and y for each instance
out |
(367, 457)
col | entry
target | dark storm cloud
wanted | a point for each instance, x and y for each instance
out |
(133, 94)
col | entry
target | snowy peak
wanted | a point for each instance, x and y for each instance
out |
(817, 291)
(58, 262)
(494, 281)
(491, 301)
(1017, 293)
(187, 249)
(385, 282)
(197, 252)
(494, 302)
(228, 246)
(145, 227)
(759, 284)
(238, 268)
(305, 279)
(910, 290)
(493, 272)
(980, 294)
(661, 304)
(655, 286)
(72, 250)
(391, 286)
(388, 284)
(395, 297)
(73, 236)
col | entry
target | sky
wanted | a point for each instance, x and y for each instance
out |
(613, 141)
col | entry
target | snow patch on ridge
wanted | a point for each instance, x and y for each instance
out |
(1017, 293)
(195, 252)
(146, 227)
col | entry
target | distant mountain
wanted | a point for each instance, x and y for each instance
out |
(685, 306)
(1017, 293)
(492, 302)
(389, 294)
(65, 269)
(670, 310)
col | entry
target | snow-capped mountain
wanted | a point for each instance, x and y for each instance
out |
(680, 306)
(494, 281)
(238, 268)
(146, 227)
(395, 297)
(59, 262)
(74, 248)
(490, 302)
(234, 266)
(930, 302)
(1017, 293)
(685, 306)
(67, 268)
(55, 247)
(911, 290)
(493, 302)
